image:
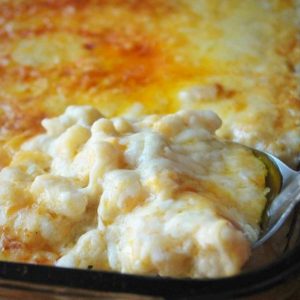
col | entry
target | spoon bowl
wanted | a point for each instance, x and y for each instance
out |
(284, 194)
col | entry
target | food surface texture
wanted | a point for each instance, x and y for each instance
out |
(156, 195)
(238, 58)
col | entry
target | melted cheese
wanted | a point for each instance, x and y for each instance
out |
(153, 195)
(239, 59)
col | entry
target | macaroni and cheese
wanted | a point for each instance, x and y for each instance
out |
(160, 194)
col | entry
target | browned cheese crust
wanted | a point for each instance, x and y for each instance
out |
(238, 58)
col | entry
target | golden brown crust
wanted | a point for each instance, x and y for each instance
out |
(242, 58)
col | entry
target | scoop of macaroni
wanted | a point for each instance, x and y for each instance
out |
(156, 195)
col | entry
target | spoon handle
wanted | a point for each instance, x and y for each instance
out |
(281, 208)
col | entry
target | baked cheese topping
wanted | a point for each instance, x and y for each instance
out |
(240, 59)
(157, 195)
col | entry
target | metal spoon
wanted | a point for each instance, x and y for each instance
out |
(284, 184)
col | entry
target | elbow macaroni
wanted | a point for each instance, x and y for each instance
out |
(153, 195)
